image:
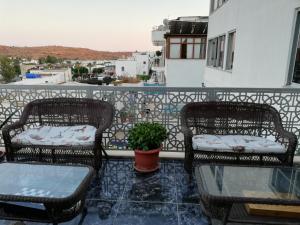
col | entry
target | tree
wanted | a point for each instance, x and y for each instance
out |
(17, 69)
(83, 70)
(76, 68)
(7, 69)
(79, 70)
(16, 64)
(158, 53)
(42, 60)
(89, 65)
(51, 59)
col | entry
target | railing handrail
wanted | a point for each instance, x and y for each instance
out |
(155, 88)
(157, 103)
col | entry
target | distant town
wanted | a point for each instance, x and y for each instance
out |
(194, 51)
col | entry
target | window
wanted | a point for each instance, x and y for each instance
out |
(216, 49)
(144, 62)
(123, 68)
(220, 51)
(187, 48)
(215, 4)
(212, 52)
(294, 72)
(183, 50)
(230, 50)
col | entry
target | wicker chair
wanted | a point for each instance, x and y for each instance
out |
(72, 129)
(235, 118)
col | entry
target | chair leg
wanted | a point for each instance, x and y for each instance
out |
(97, 158)
(10, 154)
(40, 154)
(188, 163)
(53, 155)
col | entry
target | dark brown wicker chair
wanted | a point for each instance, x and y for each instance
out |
(60, 112)
(235, 118)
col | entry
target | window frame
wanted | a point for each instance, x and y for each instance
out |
(293, 51)
(213, 53)
(188, 43)
(229, 59)
(216, 4)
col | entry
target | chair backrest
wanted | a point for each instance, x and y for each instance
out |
(230, 118)
(68, 112)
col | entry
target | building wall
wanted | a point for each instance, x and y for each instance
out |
(264, 31)
(55, 76)
(141, 67)
(129, 68)
(184, 72)
(24, 68)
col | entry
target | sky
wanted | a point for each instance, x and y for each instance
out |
(111, 25)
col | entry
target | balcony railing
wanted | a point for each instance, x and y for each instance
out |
(159, 104)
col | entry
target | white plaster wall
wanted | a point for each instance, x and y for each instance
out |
(158, 38)
(129, 68)
(184, 72)
(264, 30)
(61, 76)
(47, 80)
(140, 66)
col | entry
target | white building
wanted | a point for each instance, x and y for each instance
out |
(138, 64)
(126, 67)
(51, 76)
(142, 63)
(184, 50)
(253, 43)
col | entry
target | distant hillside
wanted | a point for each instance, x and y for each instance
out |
(60, 52)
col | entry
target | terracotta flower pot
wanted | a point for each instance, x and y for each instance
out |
(147, 161)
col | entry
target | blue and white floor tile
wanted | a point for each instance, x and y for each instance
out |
(121, 196)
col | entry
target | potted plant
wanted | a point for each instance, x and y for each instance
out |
(146, 139)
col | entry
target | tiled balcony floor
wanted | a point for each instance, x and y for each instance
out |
(120, 196)
(125, 197)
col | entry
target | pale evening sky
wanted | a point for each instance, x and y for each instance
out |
(114, 25)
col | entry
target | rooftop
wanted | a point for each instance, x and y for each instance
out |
(178, 27)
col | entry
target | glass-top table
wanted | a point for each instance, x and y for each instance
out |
(31, 180)
(241, 182)
(228, 185)
(42, 192)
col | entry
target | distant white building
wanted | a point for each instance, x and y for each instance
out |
(51, 76)
(126, 67)
(30, 62)
(184, 50)
(253, 43)
(138, 64)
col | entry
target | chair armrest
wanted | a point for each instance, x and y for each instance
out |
(8, 118)
(100, 130)
(186, 131)
(188, 135)
(99, 133)
(289, 139)
(8, 128)
(103, 126)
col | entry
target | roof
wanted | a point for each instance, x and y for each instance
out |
(178, 27)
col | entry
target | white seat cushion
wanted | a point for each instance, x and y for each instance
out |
(233, 143)
(83, 135)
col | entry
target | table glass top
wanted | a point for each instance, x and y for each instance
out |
(31, 180)
(231, 181)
